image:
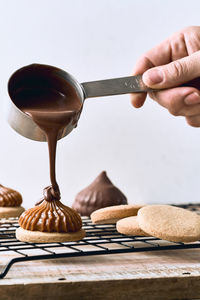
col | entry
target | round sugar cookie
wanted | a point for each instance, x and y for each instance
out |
(169, 223)
(130, 226)
(11, 212)
(111, 214)
(24, 235)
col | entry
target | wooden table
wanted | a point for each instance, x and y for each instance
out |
(173, 274)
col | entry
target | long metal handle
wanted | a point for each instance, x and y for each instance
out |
(115, 86)
(123, 85)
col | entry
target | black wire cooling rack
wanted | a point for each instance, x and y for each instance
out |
(100, 239)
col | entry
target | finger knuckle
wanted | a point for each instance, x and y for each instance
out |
(177, 45)
(172, 108)
(192, 29)
(193, 122)
(174, 112)
(176, 69)
(189, 28)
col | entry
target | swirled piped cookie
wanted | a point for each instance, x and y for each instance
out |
(10, 203)
(50, 221)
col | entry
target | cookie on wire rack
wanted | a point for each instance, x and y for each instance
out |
(130, 226)
(169, 223)
(111, 214)
(48, 222)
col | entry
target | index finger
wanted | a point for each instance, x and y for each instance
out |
(170, 49)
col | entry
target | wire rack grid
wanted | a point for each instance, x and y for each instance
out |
(100, 239)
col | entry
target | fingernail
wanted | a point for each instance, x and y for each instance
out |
(152, 77)
(192, 98)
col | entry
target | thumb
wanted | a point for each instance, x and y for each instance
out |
(173, 74)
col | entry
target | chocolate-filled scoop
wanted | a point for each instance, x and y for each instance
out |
(51, 102)
(100, 193)
(9, 197)
(51, 216)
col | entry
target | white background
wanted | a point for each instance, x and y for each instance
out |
(151, 156)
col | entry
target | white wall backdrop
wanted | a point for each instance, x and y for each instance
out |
(151, 156)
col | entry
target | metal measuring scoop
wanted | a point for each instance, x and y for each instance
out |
(37, 76)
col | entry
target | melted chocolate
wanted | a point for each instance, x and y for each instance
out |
(51, 216)
(51, 111)
(100, 193)
(52, 103)
(9, 197)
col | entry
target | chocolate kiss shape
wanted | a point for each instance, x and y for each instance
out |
(100, 193)
(9, 197)
(51, 216)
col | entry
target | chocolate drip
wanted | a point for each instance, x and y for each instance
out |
(50, 194)
(9, 197)
(51, 111)
(51, 216)
(53, 104)
(100, 193)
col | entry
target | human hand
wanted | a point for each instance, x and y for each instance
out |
(167, 66)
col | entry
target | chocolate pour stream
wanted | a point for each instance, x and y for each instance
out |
(51, 111)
